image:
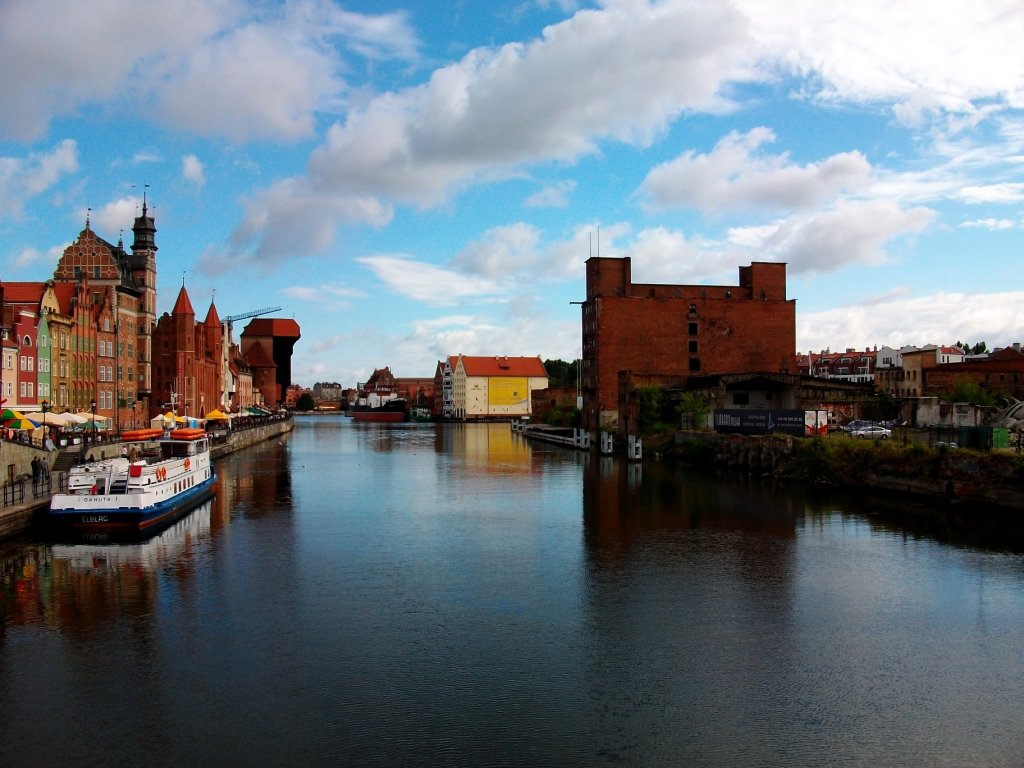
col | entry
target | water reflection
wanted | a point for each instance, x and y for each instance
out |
(454, 595)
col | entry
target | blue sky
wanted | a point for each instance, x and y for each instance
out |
(412, 180)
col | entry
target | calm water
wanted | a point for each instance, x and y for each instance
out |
(387, 596)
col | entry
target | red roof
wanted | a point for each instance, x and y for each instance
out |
(212, 318)
(270, 326)
(23, 293)
(183, 306)
(503, 366)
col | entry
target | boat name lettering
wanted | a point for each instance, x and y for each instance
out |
(95, 519)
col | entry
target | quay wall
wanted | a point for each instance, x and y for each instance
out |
(944, 475)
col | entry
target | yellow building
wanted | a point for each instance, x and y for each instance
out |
(495, 387)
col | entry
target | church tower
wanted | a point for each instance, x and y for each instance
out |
(142, 263)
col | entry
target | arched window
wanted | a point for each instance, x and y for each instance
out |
(27, 341)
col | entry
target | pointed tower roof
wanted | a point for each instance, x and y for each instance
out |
(212, 318)
(183, 306)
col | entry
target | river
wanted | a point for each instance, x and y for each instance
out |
(451, 595)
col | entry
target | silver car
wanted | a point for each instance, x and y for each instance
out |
(874, 431)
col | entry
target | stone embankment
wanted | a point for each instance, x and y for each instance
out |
(23, 500)
(939, 474)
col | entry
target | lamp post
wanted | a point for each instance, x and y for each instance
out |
(45, 406)
(133, 414)
(92, 407)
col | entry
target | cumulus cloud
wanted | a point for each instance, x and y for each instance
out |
(733, 176)
(192, 170)
(851, 233)
(996, 317)
(621, 73)
(427, 283)
(886, 52)
(24, 178)
(116, 215)
(33, 258)
(228, 68)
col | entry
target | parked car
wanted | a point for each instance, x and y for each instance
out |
(874, 431)
(856, 424)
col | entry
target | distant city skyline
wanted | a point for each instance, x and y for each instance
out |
(410, 182)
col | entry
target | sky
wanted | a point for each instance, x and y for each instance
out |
(412, 180)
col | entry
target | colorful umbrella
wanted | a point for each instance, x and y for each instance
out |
(21, 423)
(217, 415)
(9, 413)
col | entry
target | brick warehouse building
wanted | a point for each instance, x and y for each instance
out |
(681, 330)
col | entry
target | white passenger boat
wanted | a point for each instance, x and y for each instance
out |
(160, 479)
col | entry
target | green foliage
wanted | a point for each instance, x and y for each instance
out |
(694, 409)
(305, 402)
(564, 417)
(978, 349)
(561, 373)
(970, 391)
(850, 462)
(649, 415)
(882, 407)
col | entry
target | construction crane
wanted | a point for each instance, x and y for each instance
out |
(230, 320)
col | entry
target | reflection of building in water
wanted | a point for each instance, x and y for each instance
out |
(24, 574)
(254, 482)
(491, 448)
(620, 508)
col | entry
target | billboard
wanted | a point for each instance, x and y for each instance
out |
(506, 391)
(759, 421)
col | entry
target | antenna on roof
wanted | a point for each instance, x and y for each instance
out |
(88, 213)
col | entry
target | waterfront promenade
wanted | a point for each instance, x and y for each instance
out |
(26, 494)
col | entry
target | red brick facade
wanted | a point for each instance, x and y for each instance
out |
(679, 330)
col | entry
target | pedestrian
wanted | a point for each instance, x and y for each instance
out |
(36, 472)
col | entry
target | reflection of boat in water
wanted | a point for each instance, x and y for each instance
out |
(421, 414)
(97, 550)
(159, 480)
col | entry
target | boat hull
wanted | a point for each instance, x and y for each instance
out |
(113, 513)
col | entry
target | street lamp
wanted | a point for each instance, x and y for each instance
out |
(45, 406)
(133, 414)
(92, 407)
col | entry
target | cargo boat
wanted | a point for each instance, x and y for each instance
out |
(163, 476)
(394, 409)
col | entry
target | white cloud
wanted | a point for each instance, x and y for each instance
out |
(993, 225)
(940, 319)
(228, 68)
(923, 55)
(25, 178)
(326, 294)
(116, 215)
(34, 258)
(552, 196)
(192, 170)
(425, 282)
(852, 233)
(993, 193)
(734, 177)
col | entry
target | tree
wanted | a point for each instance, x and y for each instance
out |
(305, 402)
(561, 373)
(694, 410)
(969, 391)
